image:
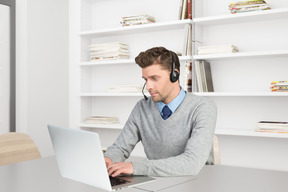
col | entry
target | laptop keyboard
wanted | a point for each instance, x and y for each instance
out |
(116, 181)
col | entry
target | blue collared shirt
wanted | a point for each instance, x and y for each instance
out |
(175, 103)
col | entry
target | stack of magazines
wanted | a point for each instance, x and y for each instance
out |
(100, 120)
(279, 86)
(137, 20)
(247, 6)
(272, 126)
(108, 51)
(217, 49)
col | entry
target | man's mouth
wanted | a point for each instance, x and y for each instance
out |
(153, 93)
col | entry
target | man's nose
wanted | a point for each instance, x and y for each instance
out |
(148, 85)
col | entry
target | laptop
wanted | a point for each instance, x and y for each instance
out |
(79, 157)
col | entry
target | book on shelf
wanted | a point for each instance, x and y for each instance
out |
(180, 9)
(203, 77)
(217, 49)
(272, 126)
(279, 86)
(100, 120)
(137, 20)
(198, 78)
(187, 44)
(187, 84)
(185, 9)
(247, 6)
(108, 51)
(189, 9)
(279, 83)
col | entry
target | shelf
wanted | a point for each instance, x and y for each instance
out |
(108, 94)
(249, 133)
(227, 132)
(123, 61)
(242, 94)
(243, 55)
(108, 62)
(243, 17)
(161, 26)
(209, 94)
(103, 126)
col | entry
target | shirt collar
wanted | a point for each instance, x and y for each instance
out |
(175, 103)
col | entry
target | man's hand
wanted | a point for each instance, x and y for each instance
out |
(108, 162)
(118, 168)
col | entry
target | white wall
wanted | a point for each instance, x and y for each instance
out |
(4, 68)
(42, 68)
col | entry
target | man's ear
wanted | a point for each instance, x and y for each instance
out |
(174, 76)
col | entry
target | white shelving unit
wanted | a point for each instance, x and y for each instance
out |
(95, 77)
(250, 71)
(241, 80)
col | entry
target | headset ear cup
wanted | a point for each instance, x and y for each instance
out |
(174, 76)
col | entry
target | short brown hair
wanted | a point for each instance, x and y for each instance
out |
(159, 55)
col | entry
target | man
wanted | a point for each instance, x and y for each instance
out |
(175, 128)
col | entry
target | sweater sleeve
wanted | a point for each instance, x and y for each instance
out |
(196, 152)
(126, 141)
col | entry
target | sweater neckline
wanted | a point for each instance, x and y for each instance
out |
(173, 114)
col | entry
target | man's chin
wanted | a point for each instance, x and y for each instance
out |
(156, 99)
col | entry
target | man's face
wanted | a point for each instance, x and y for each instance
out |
(158, 83)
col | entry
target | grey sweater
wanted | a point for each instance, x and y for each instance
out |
(179, 145)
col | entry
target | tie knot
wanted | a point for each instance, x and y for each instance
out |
(166, 112)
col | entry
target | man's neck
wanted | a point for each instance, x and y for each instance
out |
(173, 95)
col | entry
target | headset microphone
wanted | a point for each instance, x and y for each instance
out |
(146, 98)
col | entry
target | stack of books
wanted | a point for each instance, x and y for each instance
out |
(247, 6)
(279, 86)
(185, 9)
(204, 50)
(272, 126)
(108, 51)
(137, 20)
(203, 77)
(100, 120)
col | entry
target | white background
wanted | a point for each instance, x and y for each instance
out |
(4, 68)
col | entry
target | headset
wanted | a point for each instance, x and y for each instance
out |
(174, 75)
(145, 97)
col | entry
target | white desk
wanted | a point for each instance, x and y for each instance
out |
(235, 179)
(42, 175)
